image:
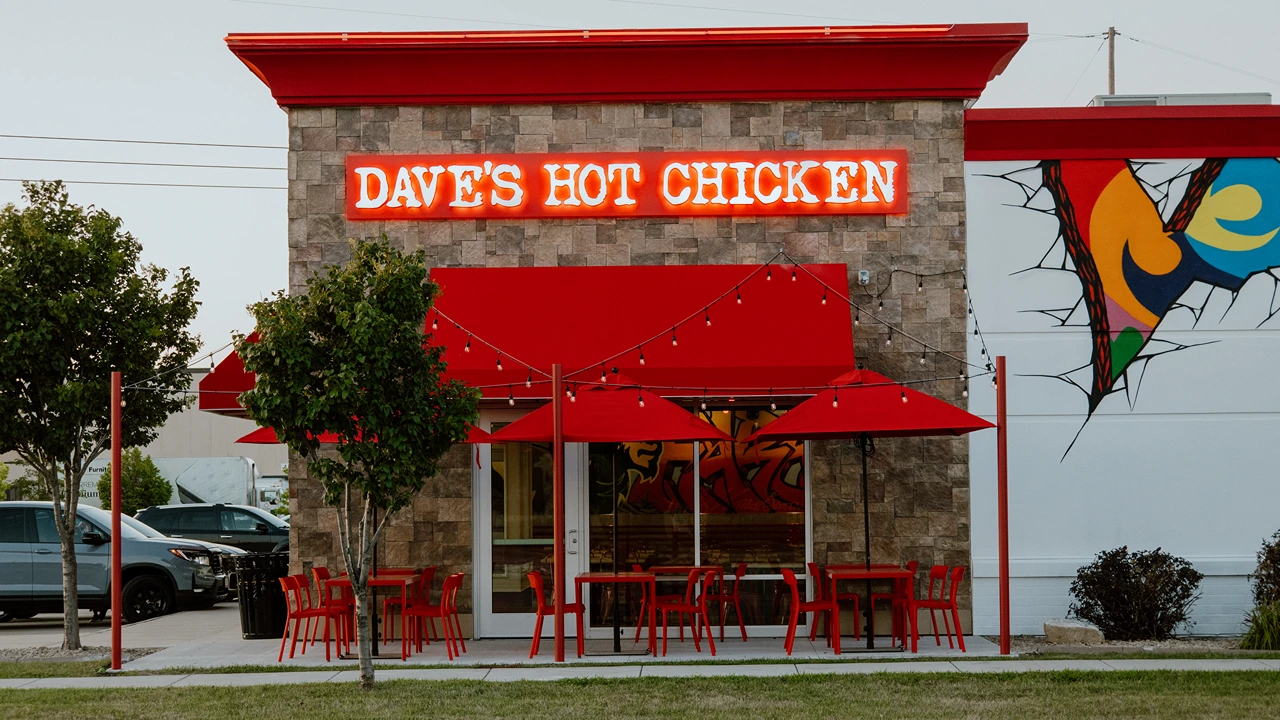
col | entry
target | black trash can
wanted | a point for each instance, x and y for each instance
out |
(263, 606)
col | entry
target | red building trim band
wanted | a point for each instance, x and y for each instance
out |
(442, 187)
(574, 66)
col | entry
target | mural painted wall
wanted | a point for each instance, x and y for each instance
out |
(1136, 301)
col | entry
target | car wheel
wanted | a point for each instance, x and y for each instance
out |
(145, 597)
(5, 616)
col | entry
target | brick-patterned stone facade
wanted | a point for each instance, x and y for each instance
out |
(919, 489)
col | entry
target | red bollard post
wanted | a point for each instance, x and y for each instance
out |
(1002, 493)
(116, 603)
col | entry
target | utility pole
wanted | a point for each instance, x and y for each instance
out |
(1111, 61)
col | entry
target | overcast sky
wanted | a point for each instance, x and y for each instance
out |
(159, 70)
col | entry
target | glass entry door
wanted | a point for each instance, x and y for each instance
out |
(514, 514)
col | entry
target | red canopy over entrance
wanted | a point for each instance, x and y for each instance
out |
(780, 335)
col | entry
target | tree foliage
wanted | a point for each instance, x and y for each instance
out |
(350, 357)
(141, 484)
(76, 302)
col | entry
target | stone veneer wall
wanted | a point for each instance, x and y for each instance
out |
(919, 489)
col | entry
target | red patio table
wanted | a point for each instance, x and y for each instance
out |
(648, 582)
(404, 582)
(860, 573)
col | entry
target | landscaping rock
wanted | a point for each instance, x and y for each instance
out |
(1067, 631)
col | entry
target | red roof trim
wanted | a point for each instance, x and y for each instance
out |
(1123, 133)
(711, 64)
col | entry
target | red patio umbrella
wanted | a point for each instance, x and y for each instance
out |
(864, 405)
(618, 413)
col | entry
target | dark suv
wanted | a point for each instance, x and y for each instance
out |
(160, 574)
(242, 526)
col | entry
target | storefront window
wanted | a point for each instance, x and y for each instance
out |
(750, 510)
(522, 507)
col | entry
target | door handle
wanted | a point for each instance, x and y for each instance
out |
(175, 535)
(225, 537)
(573, 543)
(44, 551)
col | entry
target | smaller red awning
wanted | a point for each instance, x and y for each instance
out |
(868, 403)
(622, 414)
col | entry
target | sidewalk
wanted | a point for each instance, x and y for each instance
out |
(613, 672)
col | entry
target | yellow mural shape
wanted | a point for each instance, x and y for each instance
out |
(1124, 217)
(1234, 202)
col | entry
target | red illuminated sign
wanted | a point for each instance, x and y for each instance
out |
(647, 184)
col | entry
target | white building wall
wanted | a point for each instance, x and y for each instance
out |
(1186, 464)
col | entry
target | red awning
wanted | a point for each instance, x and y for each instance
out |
(613, 415)
(867, 403)
(781, 334)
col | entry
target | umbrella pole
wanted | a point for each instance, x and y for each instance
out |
(557, 484)
(617, 621)
(864, 444)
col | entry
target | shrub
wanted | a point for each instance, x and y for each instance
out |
(1264, 628)
(1144, 595)
(1266, 578)
(141, 484)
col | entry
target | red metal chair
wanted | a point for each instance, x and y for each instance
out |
(802, 606)
(545, 609)
(944, 604)
(644, 603)
(298, 608)
(819, 579)
(723, 599)
(937, 574)
(903, 592)
(420, 593)
(447, 611)
(696, 609)
(344, 602)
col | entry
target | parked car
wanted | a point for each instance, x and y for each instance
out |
(248, 528)
(160, 574)
(221, 556)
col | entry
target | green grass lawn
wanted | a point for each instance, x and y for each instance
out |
(1072, 695)
(52, 668)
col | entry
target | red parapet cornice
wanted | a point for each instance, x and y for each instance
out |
(681, 65)
(1122, 133)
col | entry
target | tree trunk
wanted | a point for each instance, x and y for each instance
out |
(364, 635)
(71, 597)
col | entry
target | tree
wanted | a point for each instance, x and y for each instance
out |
(141, 484)
(76, 302)
(351, 357)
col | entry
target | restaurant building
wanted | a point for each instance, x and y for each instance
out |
(639, 199)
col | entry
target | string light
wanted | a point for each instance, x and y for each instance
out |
(673, 338)
(573, 394)
(857, 317)
(922, 354)
(881, 307)
(793, 274)
(468, 347)
(965, 287)
(993, 381)
(835, 399)
(707, 313)
(511, 396)
(965, 391)
(641, 354)
(888, 341)
(640, 397)
(768, 272)
(704, 398)
(739, 291)
(772, 405)
(969, 307)
(824, 297)
(919, 284)
(499, 362)
(528, 382)
(435, 322)
(904, 395)
(603, 377)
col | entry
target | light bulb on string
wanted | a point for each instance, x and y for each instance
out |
(880, 307)
(888, 341)
(573, 394)
(824, 297)
(641, 355)
(674, 342)
(919, 284)
(640, 397)
(603, 378)
(904, 395)
(435, 322)
(739, 291)
(993, 381)
(965, 391)
(983, 352)
(965, 287)
(857, 317)
(707, 313)
(704, 399)
(772, 405)
(922, 357)
(528, 382)
(835, 399)
(468, 347)
(499, 362)
(975, 331)
(793, 275)
(768, 273)
(969, 306)
(511, 396)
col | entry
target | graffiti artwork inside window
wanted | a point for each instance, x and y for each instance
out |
(751, 510)
(1148, 240)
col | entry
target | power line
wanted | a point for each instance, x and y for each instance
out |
(747, 12)
(147, 184)
(393, 14)
(1088, 65)
(144, 142)
(1215, 63)
(146, 164)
